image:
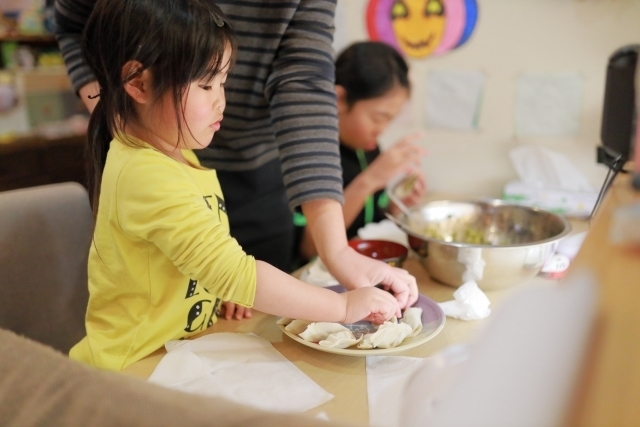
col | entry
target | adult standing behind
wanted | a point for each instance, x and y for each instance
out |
(278, 147)
(372, 85)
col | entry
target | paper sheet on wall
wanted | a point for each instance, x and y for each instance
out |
(340, 34)
(453, 99)
(549, 104)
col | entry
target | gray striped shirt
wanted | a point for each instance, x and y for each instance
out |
(280, 97)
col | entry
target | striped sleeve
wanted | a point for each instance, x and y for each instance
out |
(70, 18)
(301, 93)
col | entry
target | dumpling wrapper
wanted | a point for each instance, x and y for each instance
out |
(388, 335)
(366, 343)
(297, 326)
(413, 317)
(342, 339)
(319, 331)
(393, 320)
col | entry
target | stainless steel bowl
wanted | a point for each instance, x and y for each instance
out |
(492, 242)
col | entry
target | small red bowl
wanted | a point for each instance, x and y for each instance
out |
(392, 253)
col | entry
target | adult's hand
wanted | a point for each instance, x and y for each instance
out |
(351, 269)
(354, 271)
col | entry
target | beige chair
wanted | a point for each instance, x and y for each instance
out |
(45, 233)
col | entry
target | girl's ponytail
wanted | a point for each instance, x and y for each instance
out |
(99, 138)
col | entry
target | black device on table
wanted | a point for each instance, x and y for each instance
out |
(618, 113)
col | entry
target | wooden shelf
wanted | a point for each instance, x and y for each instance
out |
(30, 161)
(31, 39)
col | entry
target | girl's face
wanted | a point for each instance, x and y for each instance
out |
(361, 125)
(203, 105)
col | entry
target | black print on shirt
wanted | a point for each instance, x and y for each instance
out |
(206, 200)
(195, 315)
(197, 318)
(220, 201)
(191, 290)
(221, 206)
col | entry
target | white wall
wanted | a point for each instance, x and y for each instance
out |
(512, 37)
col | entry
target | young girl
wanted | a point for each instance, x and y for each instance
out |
(162, 258)
(372, 85)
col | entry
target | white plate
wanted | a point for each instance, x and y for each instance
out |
(433, 320)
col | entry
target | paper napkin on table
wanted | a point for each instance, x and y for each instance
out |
(243, 368)
(389, 376)
(469, 303)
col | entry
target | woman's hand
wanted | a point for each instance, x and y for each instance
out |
(229, 310)
(370, 304)
(350, 268)
(354, 271)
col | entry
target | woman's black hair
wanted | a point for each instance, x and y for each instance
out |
(178, 41)
(368, 70)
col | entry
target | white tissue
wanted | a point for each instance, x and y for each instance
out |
(470, 303)
(544, 168)
(473, 262)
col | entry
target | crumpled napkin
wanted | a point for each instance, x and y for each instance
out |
(243, 368)
(318, 275)
(470, 303)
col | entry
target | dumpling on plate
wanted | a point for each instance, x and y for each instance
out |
(388, 335)
(297, 326)
(342, 339)
(413, 317)
(366, 343)
(319, 331)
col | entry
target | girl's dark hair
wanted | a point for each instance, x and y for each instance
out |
(369, 69)
(178, 41)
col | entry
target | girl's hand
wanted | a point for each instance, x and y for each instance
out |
(404, 157)
(230, 310)
(354, 271)
(369, 303)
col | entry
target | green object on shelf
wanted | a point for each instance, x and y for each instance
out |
(9, 54)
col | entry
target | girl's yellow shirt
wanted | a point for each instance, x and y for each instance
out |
(161, 259)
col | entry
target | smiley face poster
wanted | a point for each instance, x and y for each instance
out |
(420, 28)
